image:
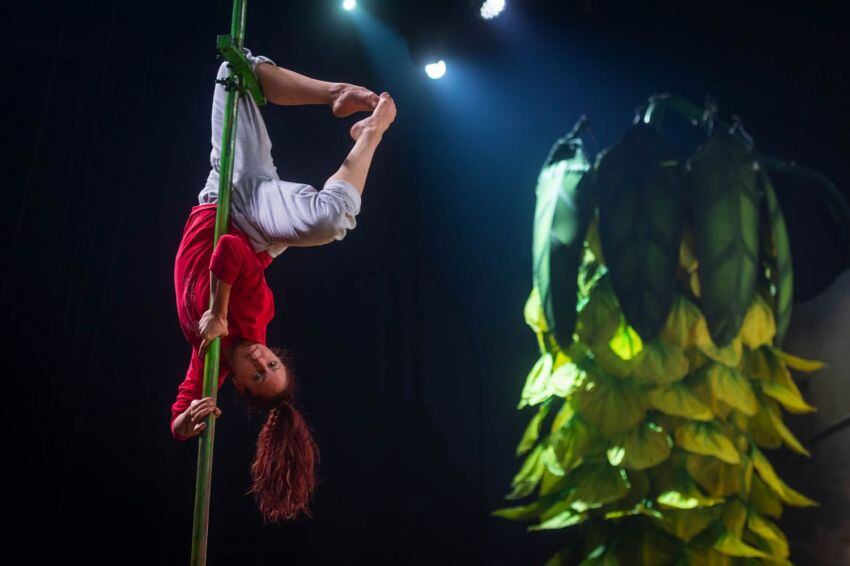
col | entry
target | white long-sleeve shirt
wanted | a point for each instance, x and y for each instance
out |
(274, 214)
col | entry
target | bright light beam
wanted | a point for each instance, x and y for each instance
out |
(349, 5)
(492, 8)
(436, 70)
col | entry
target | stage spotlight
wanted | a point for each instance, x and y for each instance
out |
(349, 5)
(492, 8)
(436, 70)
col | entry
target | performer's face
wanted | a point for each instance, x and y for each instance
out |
(258, 369)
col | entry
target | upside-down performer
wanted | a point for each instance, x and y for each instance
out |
(267, 216)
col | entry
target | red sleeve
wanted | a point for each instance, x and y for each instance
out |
(229, 258)
(191, 389)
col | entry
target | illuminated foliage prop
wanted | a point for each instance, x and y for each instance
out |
(662, 289)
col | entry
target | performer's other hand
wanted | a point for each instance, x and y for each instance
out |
(198, 411)
(210, 327)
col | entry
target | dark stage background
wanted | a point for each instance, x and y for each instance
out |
(412, 349)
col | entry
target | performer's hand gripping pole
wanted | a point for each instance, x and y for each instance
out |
(240, 80)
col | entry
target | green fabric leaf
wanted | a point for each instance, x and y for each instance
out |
(562, 520)
(661, 363)
(612, 407)
(529, 474)
(723, 193)
(770, 477)
(730, 544)
(532, 431)
(732, 388)
(645, 446)
(678, 401)
(561, 217)
(705, 439)
(639, 184)
(597, 484)
(536, 384)
(572, 442)
(685, 524)
(520, 512)
(778, 256)
(599, 317)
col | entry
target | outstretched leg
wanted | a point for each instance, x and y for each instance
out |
(288, 88)
(367, 134)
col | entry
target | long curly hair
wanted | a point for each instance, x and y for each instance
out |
(284, 472)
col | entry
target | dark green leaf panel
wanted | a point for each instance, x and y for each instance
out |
(723, 192)
(561, 217)
(639, 188)
(777, 254)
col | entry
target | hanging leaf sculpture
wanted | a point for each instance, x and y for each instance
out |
(664, 383)
(724, 203)
(560, 222)
(640, 225)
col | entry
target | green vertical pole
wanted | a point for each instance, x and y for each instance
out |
(203, 479)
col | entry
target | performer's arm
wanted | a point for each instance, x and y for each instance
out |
(213, 323)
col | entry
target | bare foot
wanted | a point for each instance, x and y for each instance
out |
(380, 119)
(351, 99)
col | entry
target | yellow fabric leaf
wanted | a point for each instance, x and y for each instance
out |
(596, 485)
(600, 316)
(717, 478)
(532, 431)
(681, 323)
(798, 363)
(626, 343)
(732, 388)
(550, 461)
(759, 327)
(730, 544)
(706, 440)
(610, 363)
(791, 399)
(564, 414)
(572, 441)
(533, 311)
(706, 557)
(661, 363)
(685, 524)
(678, 401)
(772, 534)
(612, 407)
(564, 519)
(770, 477)
(734, 517)
(729, 355)
(520, 512)
(761, 427)
(764, 500)
(535, 389)
(687, 257)
(529, 474)
(787, 436)
(645, 446)
(564, 379)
